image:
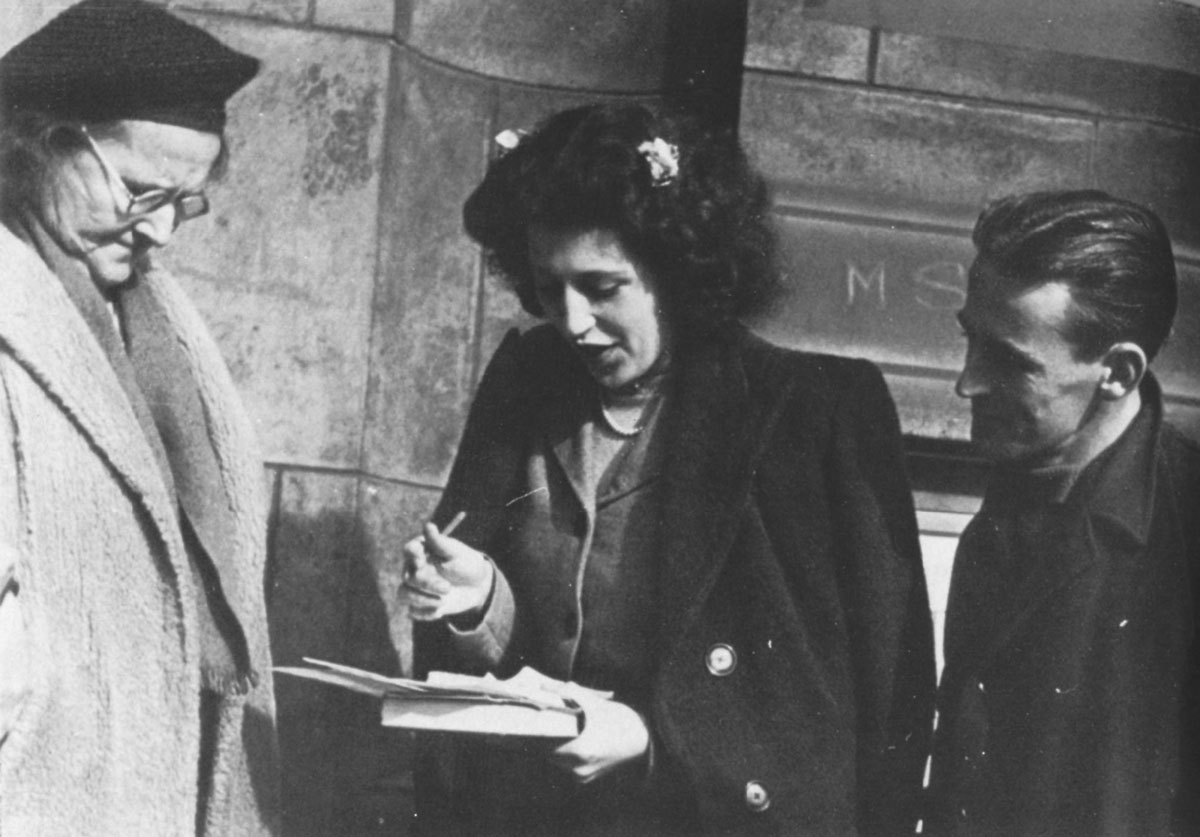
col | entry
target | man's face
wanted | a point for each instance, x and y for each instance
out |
(85, 210)
(1032, 400)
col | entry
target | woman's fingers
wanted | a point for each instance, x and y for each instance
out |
(443, 576)
(421, 575)
(614, 734)
(440, 547)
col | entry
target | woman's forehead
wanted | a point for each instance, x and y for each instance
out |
(551, 245)
(157, 151)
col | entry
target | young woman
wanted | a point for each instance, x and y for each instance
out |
(662, 506)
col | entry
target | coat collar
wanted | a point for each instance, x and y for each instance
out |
(1105, 519)
(74, 370)
(718, 429)
(1122, 491)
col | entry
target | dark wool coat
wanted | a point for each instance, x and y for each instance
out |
(1076, 713)
(788, 535)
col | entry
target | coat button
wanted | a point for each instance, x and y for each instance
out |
(721, 660)
(757, 798)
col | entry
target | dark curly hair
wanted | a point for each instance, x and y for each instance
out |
(705, 235)
(1114, 255)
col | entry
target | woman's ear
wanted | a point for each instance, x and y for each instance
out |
(1124, 367)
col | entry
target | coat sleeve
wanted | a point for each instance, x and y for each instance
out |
(14, 685)
(485, 466)
(886, 603)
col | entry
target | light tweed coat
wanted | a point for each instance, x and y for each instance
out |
(107, 739)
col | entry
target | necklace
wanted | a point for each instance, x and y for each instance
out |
(635, 412)
(635, 402)
(612, 424)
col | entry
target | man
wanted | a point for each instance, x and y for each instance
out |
(1068, 704)
(135, 695)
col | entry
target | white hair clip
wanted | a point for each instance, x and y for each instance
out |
(510, 138)
(663, 159)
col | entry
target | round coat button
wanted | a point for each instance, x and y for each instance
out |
(721, 659)
(757, 798)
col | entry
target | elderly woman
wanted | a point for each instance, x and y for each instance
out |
(663, 506)
(135, 690)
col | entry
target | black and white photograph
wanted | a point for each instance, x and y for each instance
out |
(599, 417)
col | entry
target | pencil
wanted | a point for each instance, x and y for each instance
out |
(453, 524)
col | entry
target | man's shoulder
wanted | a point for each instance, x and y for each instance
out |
(1180, 454)
(1184, 447)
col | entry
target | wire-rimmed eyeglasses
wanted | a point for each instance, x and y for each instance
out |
(187, 206)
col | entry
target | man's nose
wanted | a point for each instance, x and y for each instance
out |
(971, 383)
(577, 313)
(157, 226)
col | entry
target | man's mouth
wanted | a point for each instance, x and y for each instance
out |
(985, 414)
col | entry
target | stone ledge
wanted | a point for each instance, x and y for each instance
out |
(873, 146)
(1040, 78)
(788, 41)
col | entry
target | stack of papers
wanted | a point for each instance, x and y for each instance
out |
(528, 705)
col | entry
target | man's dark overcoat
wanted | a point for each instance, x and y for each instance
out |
(1076, 712)
(787, 533)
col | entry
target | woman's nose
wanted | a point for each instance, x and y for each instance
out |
(157, 226)
(577, 313)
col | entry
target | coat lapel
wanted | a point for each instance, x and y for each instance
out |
(1119, 496)
(717, 434)
(560, 428)
(1067, 554)
(74, 370)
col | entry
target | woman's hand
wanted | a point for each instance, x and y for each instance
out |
(613, 735)
(444, 577)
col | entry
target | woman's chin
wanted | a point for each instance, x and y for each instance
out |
(110, 269)
(610, 373)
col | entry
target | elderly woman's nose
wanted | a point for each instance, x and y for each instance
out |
(158, 226)
(577, 312)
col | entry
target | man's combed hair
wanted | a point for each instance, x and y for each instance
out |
(1113, 254)
(706, 235)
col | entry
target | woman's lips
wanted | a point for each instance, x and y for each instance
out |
(594, 351)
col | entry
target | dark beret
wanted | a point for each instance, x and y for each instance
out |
(103, 60)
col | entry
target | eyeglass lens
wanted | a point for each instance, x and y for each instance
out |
(187, 206)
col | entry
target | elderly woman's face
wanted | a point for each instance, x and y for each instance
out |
(602, 302)
(84, 207)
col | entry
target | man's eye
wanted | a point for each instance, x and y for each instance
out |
(548, 292)
(607, 291)
(1002, 357)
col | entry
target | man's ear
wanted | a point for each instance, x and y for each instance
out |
(1124, 367)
